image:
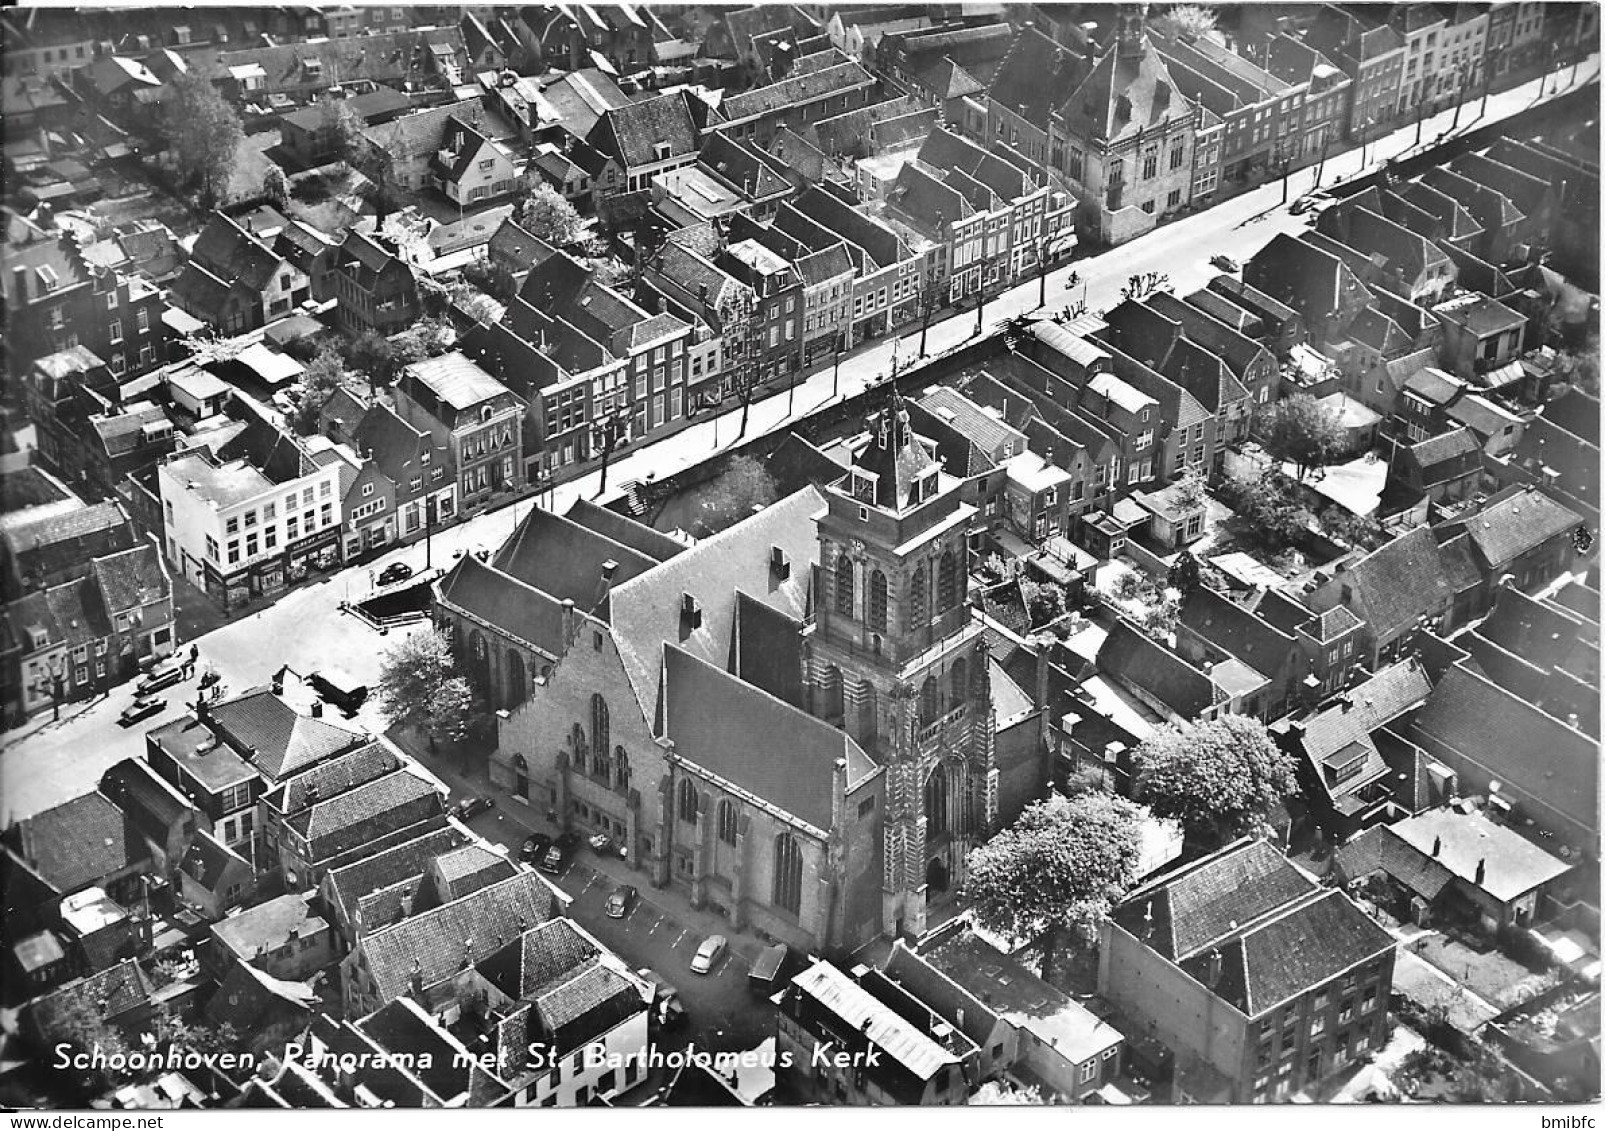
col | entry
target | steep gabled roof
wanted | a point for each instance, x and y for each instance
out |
(633, 133)
(277, 739)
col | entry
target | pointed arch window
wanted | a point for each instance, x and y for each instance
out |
(844, 585)
(688, 801)
(958, 681)
(936, 802)
(788, 874)
(727, 821)
(947, 582)
(877, 601)
(599, 724)
(918, 600)
(930, 701)
(621, 769)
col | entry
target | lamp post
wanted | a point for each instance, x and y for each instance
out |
(58, 672)
(836, 370)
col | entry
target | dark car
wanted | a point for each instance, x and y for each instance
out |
(1223, 263)
(142, 708)
(620, 902)
(159, 679)
(394, 572)
(559, 854)
(470, 807)
(535, 846)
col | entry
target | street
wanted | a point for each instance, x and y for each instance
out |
(660, 931)
(305, 628)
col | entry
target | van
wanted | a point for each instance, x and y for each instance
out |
(340, 688)
(768, 969)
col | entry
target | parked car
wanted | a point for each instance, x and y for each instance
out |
(535, 846)
(340, 687)
(620, 902)
(559, 854)
(470, 807)
(711, 950)
(1224, 263)
(1308, 201)
(142, 708)
(394, 572)
(158, 679)
(604, 845)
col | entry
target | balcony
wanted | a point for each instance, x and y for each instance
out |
(949, 722)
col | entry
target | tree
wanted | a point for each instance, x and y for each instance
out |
(79, 1025)
(1184, 575)
(1269, 514)
(429, 337)
(1300, 431)
(1190, 492)
(372, 354)
(276, 186)
(493, 277)
(995, 1093)
(1140, 286)
(1044, 600)
(1056, 871)
(744, 486)
(383, 192)
(543, 212)
(1188, 21)
(419, 688)
(1158, 620)
(319, 382)
(343, 131)
(203, 133)
(607, 433)
(1220, 778)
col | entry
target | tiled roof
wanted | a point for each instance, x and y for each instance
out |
(1393, 585)
(1514, 522)
(232, 254)
(623, 530)
(587, 1003)
(719, 723)
(512, 606)
(131, 579)
(278, 739)
(539, 956)
(417, 135)
(646, 610)
(109, 994)
(566, 561)
(334, 776)
(439, 939)
(1235, 629)
(1186, 913)
(1036, 76)
(1440, 449)
(207, 861)
(406, 861)
(990, 433)
(1379, 849)
(268, 925)
(77, 843)
(633, 133)
(465, 870)
(1468, 843)
(1134, 658)
(1299, 949)
(1509, 740)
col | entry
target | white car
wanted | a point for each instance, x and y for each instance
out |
(708, 953)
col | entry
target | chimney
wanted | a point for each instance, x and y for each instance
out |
(1571, 719)
(1437, 846)
(1148, 920)
(317, 708)
(1482, 871)
(570, 625)
(1212, 975)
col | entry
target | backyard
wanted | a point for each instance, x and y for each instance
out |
(1493, 976)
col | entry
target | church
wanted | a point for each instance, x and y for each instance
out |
(793, 721)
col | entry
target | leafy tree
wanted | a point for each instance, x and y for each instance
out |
(276, 186)
(1190, 492)
(1220, 778)
(1193, 21)
(203, 133)
(1300, 431)
(494, 278)
(383, 192)
(372, 354)
(319, 381)
(1269, 514)
(1044, 600)
(343, 129)
(995, 1093)
(429, 337)
(419, 688)
(1185, 574)
(543, 212)
(1158, 620)
(79, 1025)
(1357, 530)
(745, 485)
(1054, 873)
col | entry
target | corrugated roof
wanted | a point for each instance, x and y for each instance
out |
(856, 1008)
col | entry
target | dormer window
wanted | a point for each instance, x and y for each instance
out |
(690, 615)
(779, 564)
(863, 486)
(48, 278)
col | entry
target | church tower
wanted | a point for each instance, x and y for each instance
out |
(895, 659)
